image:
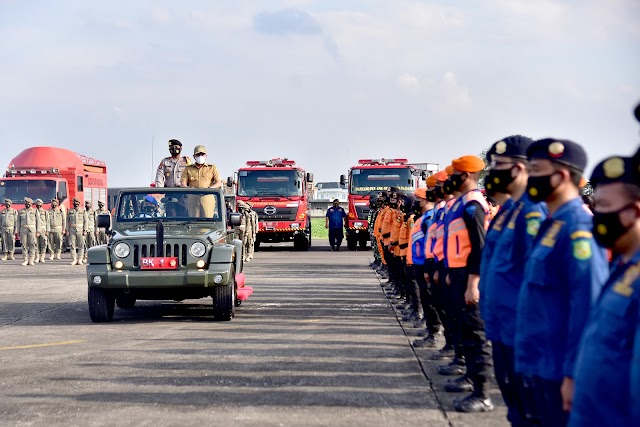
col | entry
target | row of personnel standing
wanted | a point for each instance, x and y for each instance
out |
(544, 290)
(42, 230)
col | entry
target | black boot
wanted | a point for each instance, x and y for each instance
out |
(474, 403)
(428, 342)
(455, 367)
(445, 352)
(459, 385)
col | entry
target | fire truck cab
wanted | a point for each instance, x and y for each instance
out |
(279, 192)
(368, 176)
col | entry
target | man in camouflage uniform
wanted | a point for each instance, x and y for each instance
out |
(248, 235)
(254, 231)
(28, 223)
(170, 170)
(90, 227)
(8, 228)
(76, 230)
(42, 232)
(101, 233)
(57, 226)
(241, 230)
(375, 203)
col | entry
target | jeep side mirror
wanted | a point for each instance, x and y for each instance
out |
(104, 221)
(235, 219)
(343, 180)
(309, 177)
(229, 181)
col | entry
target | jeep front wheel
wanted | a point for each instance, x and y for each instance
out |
(224, 302)
(101, 305)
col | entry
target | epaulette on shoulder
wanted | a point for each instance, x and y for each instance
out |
(187, 160)
(533, 215)
(581, 234)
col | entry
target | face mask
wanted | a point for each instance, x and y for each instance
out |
(539, 188)
(54, 204)
(439, 193)
(335, 205)
(27, 205)
(431, 196)
(447, 187)
(39, 206)
(175, 150)
(456, 182)
(501, 179)
(489, 185)
(607, 228)
(76, 205)
(200, 159)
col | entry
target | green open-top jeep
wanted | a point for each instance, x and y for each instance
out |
(167, 243)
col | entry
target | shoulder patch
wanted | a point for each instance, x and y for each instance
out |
(533, 226)
(582, 250)
(581, 235)
(533, 215)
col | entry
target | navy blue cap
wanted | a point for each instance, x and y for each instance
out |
(615, 169)
(511, 146)
(636, 112)
(151, 199)
(560, 151)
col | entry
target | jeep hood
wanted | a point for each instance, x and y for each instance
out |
(171, 232)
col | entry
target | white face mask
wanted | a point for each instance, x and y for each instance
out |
(200, 159)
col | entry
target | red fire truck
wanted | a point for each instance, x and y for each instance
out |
(49, 172)
(279, 192)
(374, 175)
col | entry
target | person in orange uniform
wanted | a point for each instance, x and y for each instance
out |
(396, 264)
(377, 233)
(387, 227)
(413, 309)
(463, 242)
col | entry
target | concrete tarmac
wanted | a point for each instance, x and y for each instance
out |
(317, 344)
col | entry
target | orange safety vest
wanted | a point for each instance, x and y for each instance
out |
(403, 237)
(457, 235)
(396, 223)
(431, 232)
(376, 224)
(385, 227)
(438, 247)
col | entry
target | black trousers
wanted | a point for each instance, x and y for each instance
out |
(512, 386)
(543, 402)
(440, 293)
(335, 236)
(426, 299)
(469, 329)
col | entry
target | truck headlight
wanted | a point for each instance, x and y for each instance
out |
(197, 249)
(295, 225)
(122, 250)
(357, 224)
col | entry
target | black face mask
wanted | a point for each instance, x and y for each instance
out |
(27, 205)
(456, 181)
(501, 179)
(607, 228)
(539, 188)
(431, 196)
(175, 150)
(489, 185)
(439, 193)
(447, 187)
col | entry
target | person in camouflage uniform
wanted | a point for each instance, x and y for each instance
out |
(8, 223)
(241, 230)
(28, 223)
(76, 230)
(42, 232)
(375, 203)
(101, 233)
(57, 225)
(254, 231)
(90, 236)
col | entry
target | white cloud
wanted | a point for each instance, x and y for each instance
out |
(161, 15)
(408, 82)
(456, 97)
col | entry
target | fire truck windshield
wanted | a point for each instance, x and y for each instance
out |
(18, 189)
(364, 181)
(276, 182)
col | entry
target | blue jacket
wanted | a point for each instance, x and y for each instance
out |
(418, 239)
(486, 271)
(564, 273)
(336, 217)
(634, 378)
(603, 367)
(508, 263)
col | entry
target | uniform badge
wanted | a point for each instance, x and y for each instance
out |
(581, 250)
(501, 147)
(533, 192)
(556, 149)
(613, 168)
(533, 226)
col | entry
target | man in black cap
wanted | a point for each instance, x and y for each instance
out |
(170, 169)
(563, 275)
(335, 220)
(605, 368)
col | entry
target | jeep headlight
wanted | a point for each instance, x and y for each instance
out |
(198, 249)
(122, 250)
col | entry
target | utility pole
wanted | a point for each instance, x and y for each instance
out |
(153, 177)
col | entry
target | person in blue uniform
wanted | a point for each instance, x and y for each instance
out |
(335, 221)
(514, 232)
(603, 395)
(634, 378)
(563, 275)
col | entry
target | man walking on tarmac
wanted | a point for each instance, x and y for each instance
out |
(170, 170)
(8, 224)
(464, 237)
(335, 221)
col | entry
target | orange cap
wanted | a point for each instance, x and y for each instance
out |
(432, 181)
(421, 192)
(468, 164)
(449, 170)
(441, 176)
(583, 182)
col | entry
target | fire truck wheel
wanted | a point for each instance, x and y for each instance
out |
(256, 245)
(363, 244)
(101, 305)
(300, 243)
(352, 244)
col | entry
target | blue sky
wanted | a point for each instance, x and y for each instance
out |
(321, 82)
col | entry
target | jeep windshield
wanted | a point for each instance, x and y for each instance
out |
(276, 182)
(184, 205)
(364, 181)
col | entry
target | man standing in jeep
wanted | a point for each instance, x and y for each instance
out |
(170, 170)
(201, 175)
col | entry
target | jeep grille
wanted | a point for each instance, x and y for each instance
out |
(143, 251)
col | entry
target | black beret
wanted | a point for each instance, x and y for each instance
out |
(635, 160)
(174, 142)
(636, 112)
(511, 146)
(615, 169)
(560, 151)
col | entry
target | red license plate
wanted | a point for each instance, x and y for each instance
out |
(159, 263)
